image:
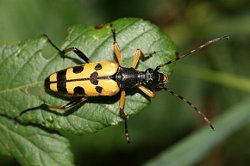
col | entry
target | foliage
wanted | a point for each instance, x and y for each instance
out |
(21, 91)
(218, 82)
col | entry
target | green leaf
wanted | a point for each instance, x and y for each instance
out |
(24, 89)
(26, 65)
(33, 146)
(193, 148)
(28, 144)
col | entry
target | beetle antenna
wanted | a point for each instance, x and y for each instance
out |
(191, 105)
(192, 51)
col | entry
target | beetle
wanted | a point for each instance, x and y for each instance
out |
(108, 78)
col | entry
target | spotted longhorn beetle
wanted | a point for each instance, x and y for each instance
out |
(107, 78)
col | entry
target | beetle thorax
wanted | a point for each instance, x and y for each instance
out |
(129, 78)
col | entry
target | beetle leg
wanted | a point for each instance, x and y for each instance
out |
(116, 46)
(136, 58)
(52, 44)
(139, 55)
(146, 56)
(76, 51)
(67, 106)
(147, 91)
(122, 113)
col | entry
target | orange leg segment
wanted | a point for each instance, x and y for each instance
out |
(136, 58)
(117, 53)
(147, 91)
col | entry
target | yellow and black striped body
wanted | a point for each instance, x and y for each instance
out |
(90, 79)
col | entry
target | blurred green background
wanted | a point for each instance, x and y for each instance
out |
(201, 79)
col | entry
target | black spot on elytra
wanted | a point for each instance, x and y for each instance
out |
(93, 78)
(78, 69)
(98, 89)
(98, 67)
(79, 90)
(95, 82)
